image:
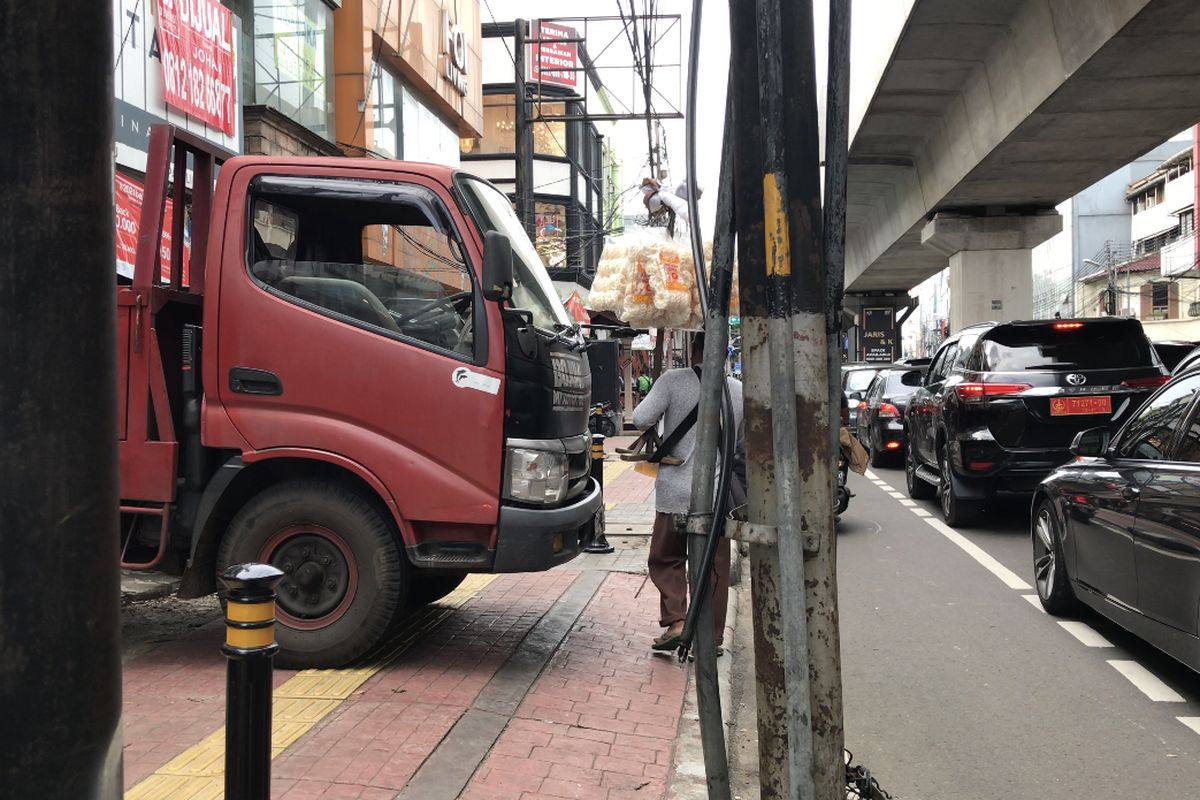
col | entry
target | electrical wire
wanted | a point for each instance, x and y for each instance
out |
(133, 18)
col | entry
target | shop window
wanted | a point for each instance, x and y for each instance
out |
(550, 138)
(499, 126)
(551, 239)
(386, 116)
(293, 55)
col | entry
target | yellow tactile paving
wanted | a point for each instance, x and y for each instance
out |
(614, 468)
(299, 703)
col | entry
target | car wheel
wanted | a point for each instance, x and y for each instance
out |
(917, 488)
(1049, 568)
(879, 456)
(956, 511)
(345, 579)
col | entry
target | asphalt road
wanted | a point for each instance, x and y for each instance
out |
(957, 686)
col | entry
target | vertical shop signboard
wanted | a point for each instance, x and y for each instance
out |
(129, 194)
(554, 61)
(879, 335)
(196, 41)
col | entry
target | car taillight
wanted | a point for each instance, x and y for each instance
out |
(862, 406)
(888, 411)
(1145, 383)
(892, 445)
(974, 392)
(1067, 326)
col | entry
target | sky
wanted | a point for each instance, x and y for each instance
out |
(875, 26)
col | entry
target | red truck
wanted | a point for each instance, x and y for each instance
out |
(366, 379)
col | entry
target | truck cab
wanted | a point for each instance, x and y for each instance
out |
(377, 388)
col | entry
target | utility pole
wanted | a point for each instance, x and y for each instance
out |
(789, 452)
(60, 673)
(523, 133)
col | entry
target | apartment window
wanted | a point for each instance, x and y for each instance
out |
(293, 57)
(1187, 222)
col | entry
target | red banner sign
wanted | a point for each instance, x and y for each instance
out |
(196, 40)
(128, 196)
(554, 62)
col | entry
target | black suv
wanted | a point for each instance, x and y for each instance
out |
(1002, 401)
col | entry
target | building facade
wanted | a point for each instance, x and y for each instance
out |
(292, 78)
(572, 166)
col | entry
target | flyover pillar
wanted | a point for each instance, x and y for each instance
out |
(991, 262)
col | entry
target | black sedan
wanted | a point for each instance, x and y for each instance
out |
(880, 417)
(1118, 528)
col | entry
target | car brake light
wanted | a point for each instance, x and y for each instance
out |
(981, 465)
(1145, 383)
(892, 445)
(862, 406)
(1067, 326)
(888, 411)
(974, 392)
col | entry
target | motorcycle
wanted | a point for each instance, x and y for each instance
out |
(603, 420)
(843, 490)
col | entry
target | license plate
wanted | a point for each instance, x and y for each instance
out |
(1067, 406)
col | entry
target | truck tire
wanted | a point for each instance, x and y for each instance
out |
(429, 587)
(345, 577)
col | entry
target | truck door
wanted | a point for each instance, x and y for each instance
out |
(351, 323)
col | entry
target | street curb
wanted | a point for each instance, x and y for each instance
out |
(138, 587)
(687, 780)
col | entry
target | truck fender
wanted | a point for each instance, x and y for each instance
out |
(198, 578)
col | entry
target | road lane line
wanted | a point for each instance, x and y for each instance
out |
(920, 512)
(904, 501)
(1034, 601)
(976, 552)
(299, 704)
(1084, 633)
(1146, 681)
(1191, 722)
(871, 475)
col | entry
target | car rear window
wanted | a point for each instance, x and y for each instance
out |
(895, 388)
(1012, 348)
(859, 379)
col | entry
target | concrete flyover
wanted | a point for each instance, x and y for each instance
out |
(991, 112)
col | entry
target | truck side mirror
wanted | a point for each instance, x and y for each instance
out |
(497, 266)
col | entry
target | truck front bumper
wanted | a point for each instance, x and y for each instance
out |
(535, 539)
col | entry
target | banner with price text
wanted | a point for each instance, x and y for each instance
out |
(128, 202)
(196, 40)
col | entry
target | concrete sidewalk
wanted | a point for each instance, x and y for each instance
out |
(521, 687)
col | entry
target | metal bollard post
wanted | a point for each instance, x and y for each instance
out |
(250, 648)
(599, 544)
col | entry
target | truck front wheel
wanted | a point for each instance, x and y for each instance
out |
(344, 575)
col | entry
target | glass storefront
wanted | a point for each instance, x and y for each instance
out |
(499, 128)
(292, 65)
(404, 127)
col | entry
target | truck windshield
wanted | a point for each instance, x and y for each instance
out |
(532, 288)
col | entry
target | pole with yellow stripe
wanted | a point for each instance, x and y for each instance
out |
(250, 649)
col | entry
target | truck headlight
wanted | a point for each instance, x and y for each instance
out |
(536, 476)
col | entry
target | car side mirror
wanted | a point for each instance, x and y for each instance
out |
(1091, 443)
(497, 266)
(856, 396)
(911, 378)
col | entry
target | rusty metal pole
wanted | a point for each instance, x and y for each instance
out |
(523, 132)
(777, 480)
(824, 631)
(60, 668)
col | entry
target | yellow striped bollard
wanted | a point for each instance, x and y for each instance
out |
(250, 650)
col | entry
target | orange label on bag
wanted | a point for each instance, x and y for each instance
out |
(672, 280)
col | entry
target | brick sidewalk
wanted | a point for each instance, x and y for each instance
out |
(599, 719)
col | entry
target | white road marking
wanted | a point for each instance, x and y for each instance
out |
(1149, 683)
(976, 552)
(1034, 601)
(871, 475)
(1191, 722)
(896, 495)
(920, 512)
(1084, 633)
(904, 501)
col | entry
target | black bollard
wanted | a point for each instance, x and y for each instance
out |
(250, 648)
(599, 543)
